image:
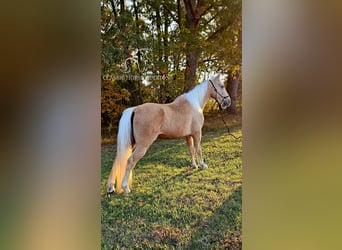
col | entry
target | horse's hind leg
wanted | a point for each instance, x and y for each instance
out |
(190, 142)
(137, 154)
(197, 143)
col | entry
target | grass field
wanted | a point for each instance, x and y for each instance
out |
(173, 206)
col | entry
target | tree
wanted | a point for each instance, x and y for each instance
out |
(156, 50)
(207, 25)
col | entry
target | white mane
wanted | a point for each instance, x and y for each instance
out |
(196, 96)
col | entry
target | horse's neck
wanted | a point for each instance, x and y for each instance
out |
(198, 96)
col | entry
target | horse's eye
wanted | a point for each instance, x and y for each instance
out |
(222, 87)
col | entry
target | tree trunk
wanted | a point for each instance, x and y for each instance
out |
(122, 6)
(166, 57)
(139, 81)
(232, 88)
(192, 55)
(193, 15)
(160, 56)
(191, 68)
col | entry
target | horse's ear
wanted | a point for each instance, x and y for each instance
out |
(217, 76)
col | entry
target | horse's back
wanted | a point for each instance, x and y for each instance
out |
(173, 120)
(149, 113)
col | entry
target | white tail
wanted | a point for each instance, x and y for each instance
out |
(123, 152)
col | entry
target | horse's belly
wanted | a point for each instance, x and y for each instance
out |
(164, 136)
(174, 133)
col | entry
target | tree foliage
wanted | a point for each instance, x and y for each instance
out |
(153, 50)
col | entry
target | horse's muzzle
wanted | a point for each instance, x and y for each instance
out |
(226, 102)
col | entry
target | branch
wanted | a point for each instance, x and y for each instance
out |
(209, 21)
(114, 10)
(200, 10)
(207, 9)
(218, 32)
(170, 12)
(210, 60)
(179, 13)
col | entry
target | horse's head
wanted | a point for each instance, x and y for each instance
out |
(219, 92)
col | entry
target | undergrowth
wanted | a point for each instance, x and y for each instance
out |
(173, 206)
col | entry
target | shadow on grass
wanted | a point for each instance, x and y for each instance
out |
(173, 206)
(222, 230)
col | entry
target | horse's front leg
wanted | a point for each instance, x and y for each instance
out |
(197, 143)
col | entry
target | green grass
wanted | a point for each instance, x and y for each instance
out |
(173, 206)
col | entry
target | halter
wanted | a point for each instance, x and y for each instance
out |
(217, 93)
(225, 124)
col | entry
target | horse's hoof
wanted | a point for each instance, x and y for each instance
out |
(204, 166)
(194, 166)
(110, 190)
(127, 190)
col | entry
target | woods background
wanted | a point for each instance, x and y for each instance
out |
(153, 51)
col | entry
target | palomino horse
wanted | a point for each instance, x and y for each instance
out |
(140, 126)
